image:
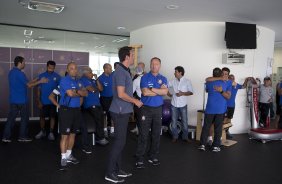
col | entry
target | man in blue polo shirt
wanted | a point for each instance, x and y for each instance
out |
(92, 106)
(218, 93)
(47, 109)
(18, 85)
(121, 108)
(106, 96)
(69, 113)
(153, 86)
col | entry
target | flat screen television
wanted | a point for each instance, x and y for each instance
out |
(240, 36)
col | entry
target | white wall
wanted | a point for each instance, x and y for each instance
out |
(198, 47)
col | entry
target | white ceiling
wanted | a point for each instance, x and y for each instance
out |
(104, 16)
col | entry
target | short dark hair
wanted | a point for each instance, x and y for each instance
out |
(180, 69)
(18, 59)
(157, 59)
(50, 62)
(217, 72)
(123, 52)
(115, 64)
(226, 69)
(106, 64)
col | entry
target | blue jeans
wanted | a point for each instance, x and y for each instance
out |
(182, 111)
(14, 110)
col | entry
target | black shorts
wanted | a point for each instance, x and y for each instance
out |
(69, 120)
(48, 111)
(230, 112)
(106, 103)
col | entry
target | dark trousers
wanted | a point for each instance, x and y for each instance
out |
(264, 109)
(150, 118)
(115, 156)
(280, 119)
(13, 112)
(106, 103)
(217, 120)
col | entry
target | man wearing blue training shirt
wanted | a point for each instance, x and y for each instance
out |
(153, 86)
(18, 84)
(218, 93)
(47, 109)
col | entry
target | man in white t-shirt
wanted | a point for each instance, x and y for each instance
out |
(179, 89)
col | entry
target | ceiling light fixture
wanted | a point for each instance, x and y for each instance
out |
(172, 7)
(42, 6)
(28, 32)
(121, 28)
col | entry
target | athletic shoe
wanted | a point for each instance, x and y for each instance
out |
(209, 143)
(64, 164)
(216, 149)
(114, 178)
(112, 134)
(72, 159)
(5, 140)
(140, 165)
(86, 149)
(202, 148)
(51, 136)
(154, 161)
(102, 142)
(40, 135)
(25, 139)
(123, 174)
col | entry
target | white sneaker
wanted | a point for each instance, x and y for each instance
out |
(216, 149)
(40, 135)
(51, 136)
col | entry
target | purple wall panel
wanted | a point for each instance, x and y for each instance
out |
(26, 53)
(62, 57)
(5, 54)
(4, 88)
(81, 58)
(41, 56)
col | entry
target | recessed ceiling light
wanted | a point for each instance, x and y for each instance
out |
(172, 7)
(28, 32)
(42, 6)
(121, 28)
(41, 37)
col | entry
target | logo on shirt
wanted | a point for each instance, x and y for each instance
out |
(160, 81)
(54, 78)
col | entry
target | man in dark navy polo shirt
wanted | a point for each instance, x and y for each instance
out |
(106, 95)
(69, 113)
(121, 108)
(218, 94)
(92, 106)
(47, 109)
(18, 85)
(154, 87)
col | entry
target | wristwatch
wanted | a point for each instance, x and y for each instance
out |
(221, 92)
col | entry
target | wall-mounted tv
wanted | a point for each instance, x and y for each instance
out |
(240, 36)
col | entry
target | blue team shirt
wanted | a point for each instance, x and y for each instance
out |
(68, 83)
(18, 86)
(150, 81)
(234, 90)
(93, 98)
(216, 103)
(47, 88)
(107, 83)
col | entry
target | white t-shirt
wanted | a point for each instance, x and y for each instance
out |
(175, 86)
(136, 85)
(266, 93)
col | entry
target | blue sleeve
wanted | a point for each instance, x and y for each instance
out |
(229, 86)
(84, 82)
(165, 81)
(239, 86)
(144, 83)
(208, 86)
(39, 77)
(22, 78)
(59, 80)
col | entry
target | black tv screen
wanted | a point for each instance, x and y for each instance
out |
(240, 36)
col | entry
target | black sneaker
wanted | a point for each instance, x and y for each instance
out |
(114, 178)
(140, 165)
(5, 140)
(72, 159)
(87, 150)
(64, 164)
(123, 174)
(202, 148)
(24, 139)
(154, 161)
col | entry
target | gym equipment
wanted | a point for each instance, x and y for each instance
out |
(166, 113)
(263, 134)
